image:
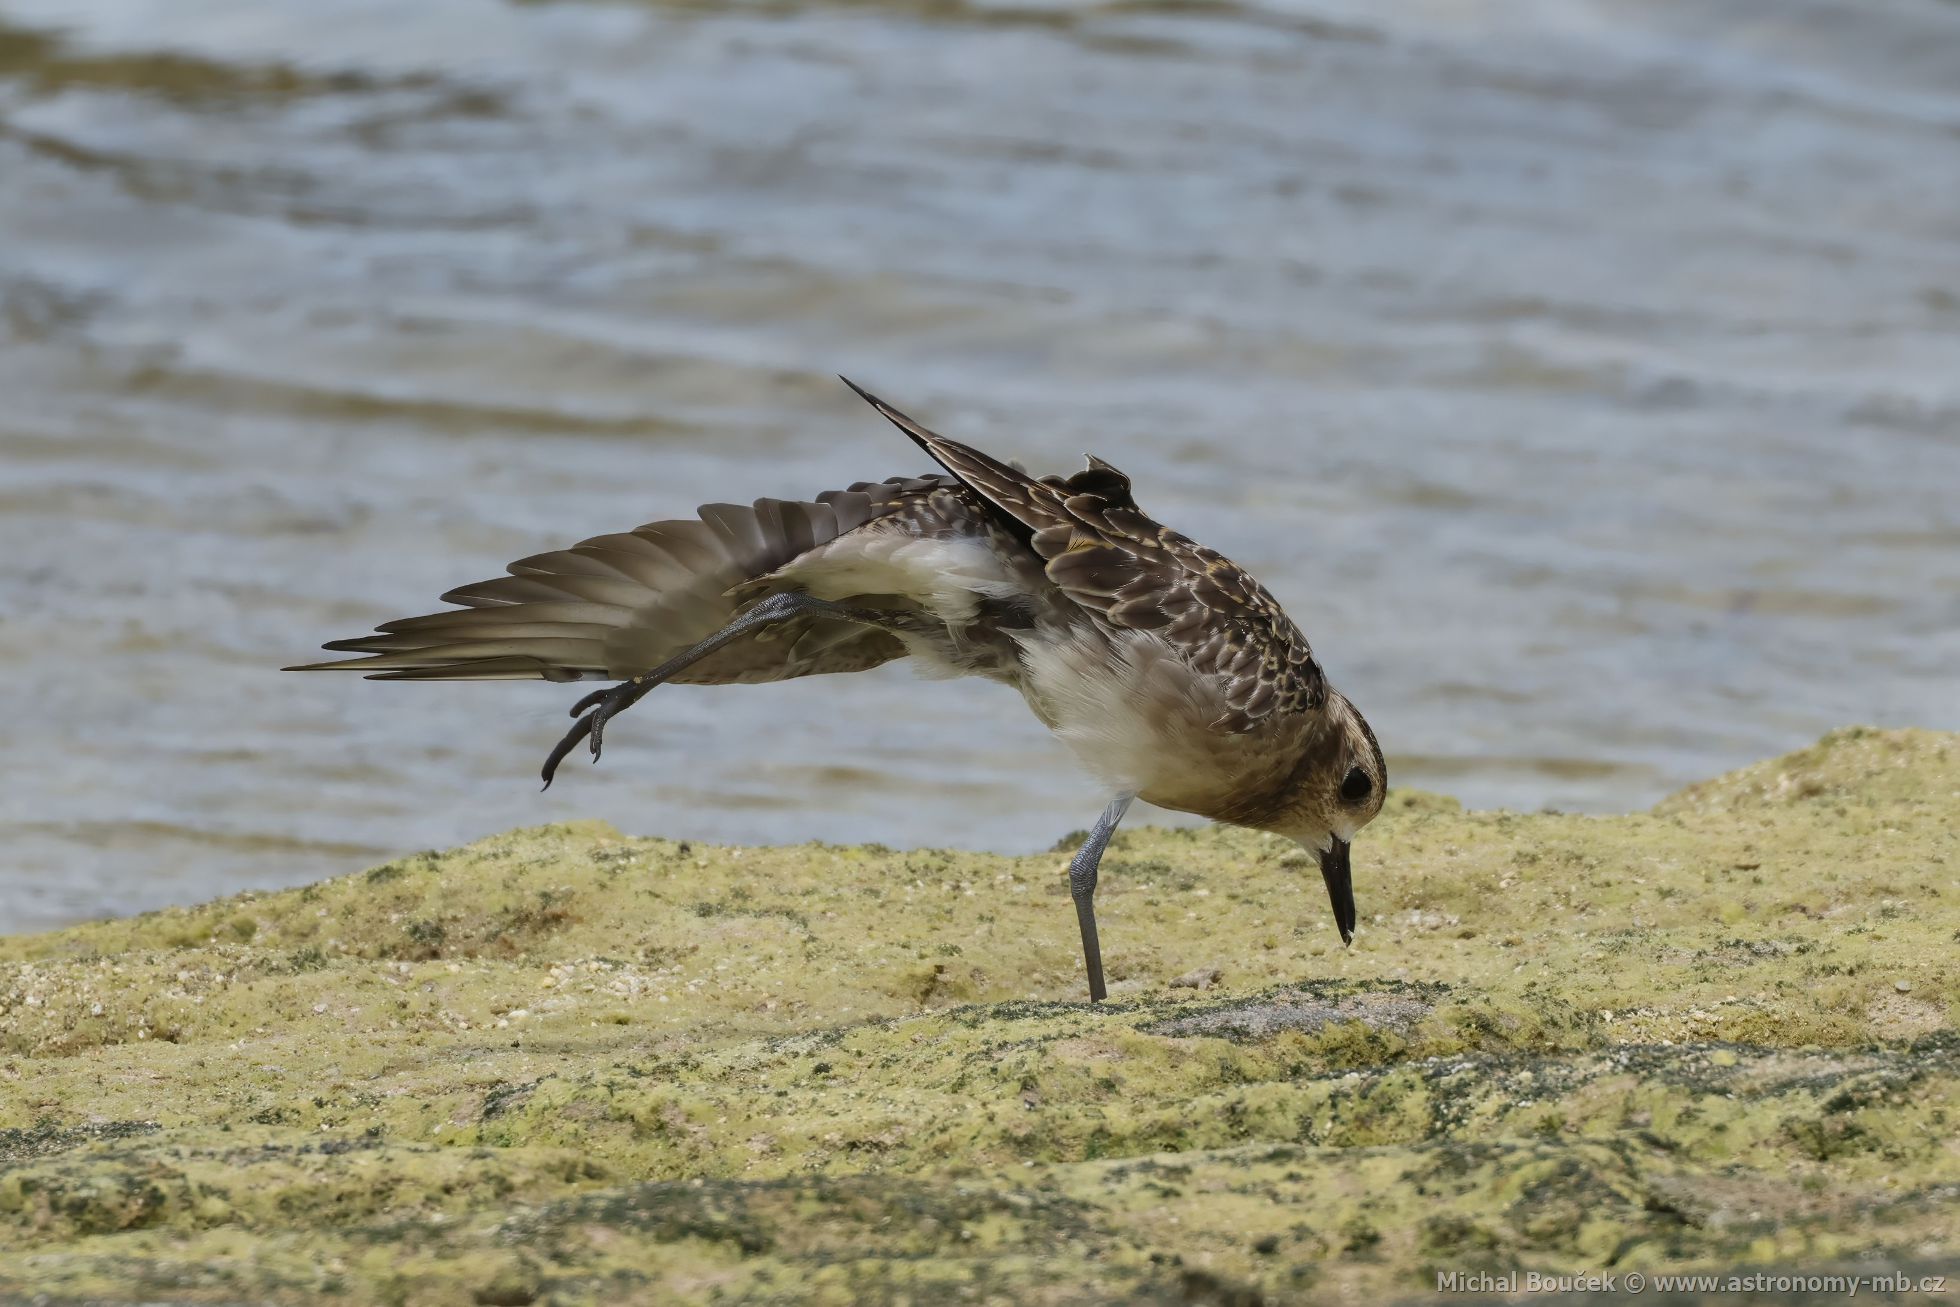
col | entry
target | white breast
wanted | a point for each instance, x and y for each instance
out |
(1131, 711)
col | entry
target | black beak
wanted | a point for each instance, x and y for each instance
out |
(1334, 869)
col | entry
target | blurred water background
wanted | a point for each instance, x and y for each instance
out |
(1584, 375)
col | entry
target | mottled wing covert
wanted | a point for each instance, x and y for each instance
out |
(1112, 558)
(1109, 556)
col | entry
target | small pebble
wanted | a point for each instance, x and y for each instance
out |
(1903, 986)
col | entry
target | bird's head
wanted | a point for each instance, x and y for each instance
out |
(1339, 794)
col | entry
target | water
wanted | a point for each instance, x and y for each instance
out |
(1584, 376)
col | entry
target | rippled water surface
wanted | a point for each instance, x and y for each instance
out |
(1584, 376)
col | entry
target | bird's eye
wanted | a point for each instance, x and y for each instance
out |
(1355, 786)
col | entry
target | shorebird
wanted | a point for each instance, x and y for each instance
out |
(1168, 671)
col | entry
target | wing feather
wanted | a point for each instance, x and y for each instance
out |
(615, 605)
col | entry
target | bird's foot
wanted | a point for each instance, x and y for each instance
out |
(599, 707)
(593, 712)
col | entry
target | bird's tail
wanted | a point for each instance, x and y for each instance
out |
(615, 605)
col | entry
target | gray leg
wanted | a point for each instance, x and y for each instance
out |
(1082, 886)
(601, 706)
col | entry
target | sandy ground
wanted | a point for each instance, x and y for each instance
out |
(565, 1066)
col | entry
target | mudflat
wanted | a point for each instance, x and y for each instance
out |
(564, 1065)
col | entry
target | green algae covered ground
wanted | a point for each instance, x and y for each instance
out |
(565, 1066)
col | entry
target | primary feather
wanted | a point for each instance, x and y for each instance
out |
(615, 605)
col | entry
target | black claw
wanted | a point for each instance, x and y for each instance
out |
(580, 729)
(593, 712)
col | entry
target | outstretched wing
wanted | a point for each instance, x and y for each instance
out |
(1113, 559)
(615, 605)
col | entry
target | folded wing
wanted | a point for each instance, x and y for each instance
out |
(1113, 559)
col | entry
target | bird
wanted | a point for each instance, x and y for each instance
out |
(1167, 670)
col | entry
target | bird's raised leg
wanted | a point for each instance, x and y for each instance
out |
(601, 706)
(1082, 886)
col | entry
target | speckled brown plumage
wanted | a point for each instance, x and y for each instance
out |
(1113, 559)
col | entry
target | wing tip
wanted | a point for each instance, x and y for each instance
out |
(921, 436)
(339, 665)
(864, 394)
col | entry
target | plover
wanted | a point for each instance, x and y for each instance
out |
(1168, 671)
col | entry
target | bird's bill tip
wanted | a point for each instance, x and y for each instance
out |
(1337, 870)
